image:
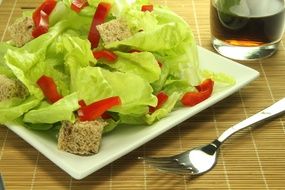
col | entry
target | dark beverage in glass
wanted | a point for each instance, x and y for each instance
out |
(247, 29)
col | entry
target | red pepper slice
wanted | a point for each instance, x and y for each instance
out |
(105, 54)
(42, 27)
(106, 115)
(47, 6)
(161, 99)
(82, 103)
(96, 109)
(99, 17)
(205, 90)
(49, 89)
(147, 8)
(206, 85)
(78, 5)
(40, 17)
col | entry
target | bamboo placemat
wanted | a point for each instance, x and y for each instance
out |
(252, 159)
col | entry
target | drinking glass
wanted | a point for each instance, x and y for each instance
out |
(247, 29)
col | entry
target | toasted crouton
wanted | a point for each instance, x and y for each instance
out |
(82, 138)
(11, 88)
(114, 30)
(21, 31)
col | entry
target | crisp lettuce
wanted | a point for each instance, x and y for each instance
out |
(161, 38)
(27, 67)
(95, 83)
(138, 20)
(164, 110)
(168, 37)
(62, 110)
(143, 64)
(4, 70)
(222, 80)
(112, 124)
(9, 114)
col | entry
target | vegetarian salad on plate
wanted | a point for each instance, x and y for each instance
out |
(83, 67)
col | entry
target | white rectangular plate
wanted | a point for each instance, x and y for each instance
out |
(131, 138)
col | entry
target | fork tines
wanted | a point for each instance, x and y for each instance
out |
(167, 164)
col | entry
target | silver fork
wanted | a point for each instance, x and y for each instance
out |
(202, 159)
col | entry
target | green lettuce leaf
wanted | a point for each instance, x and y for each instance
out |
(177, 86)
(138, 20)
(143, 64)
(29, 67)
(183, 60)
(164, 110)
(79, 23)
(163, 37)
(16, 109)
(23, 63)
(74, 49)
(222, 80)
(4, 69)
(61, 110)
(132, 119)
(169, 37)
(112, 124)
(38, 126)
(94, 83)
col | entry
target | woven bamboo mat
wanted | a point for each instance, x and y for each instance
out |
(252, 159)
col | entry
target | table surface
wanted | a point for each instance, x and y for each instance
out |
(252, 159)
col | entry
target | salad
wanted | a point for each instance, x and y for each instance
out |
(83, 67)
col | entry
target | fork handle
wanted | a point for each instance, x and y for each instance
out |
(270, 112)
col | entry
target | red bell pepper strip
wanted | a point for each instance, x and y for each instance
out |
(99, 17)
(205, 90)
(47, 7)
(82, 103)
(97, 109)
(40, 17)
(78, 5)
(49, 89)
(161, 99)
(106, 115)
(206, 85)
(105, 54)
(42, 27)
(147, 8)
